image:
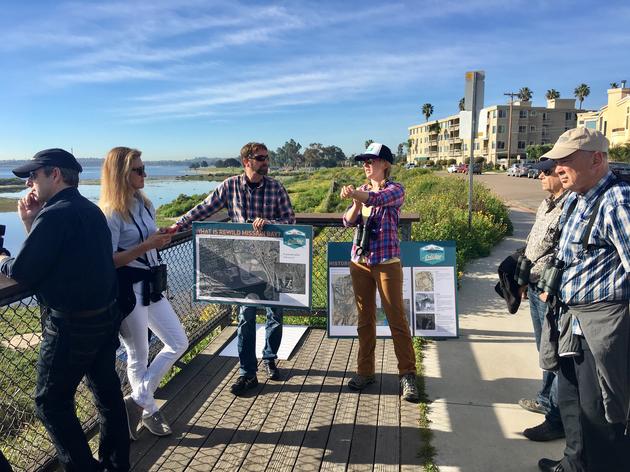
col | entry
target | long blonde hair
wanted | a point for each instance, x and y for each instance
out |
(117, 194)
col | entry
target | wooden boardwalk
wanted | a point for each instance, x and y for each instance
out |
(309, 421)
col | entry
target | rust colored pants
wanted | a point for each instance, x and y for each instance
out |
(387, 278)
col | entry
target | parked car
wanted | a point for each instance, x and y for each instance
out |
(522, 170)
(533, 173)
(476, 168)
(410, 165)
(463, 168)
(619, 168)
(452, 168)
(512, 170)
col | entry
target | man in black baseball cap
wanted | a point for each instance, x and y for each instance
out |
(66, 260)
(48, 158)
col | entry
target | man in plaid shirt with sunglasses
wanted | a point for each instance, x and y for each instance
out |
(256, 198)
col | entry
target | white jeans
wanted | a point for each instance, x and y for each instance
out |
(163, 321)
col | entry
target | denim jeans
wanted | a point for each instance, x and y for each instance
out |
(548, 394)
(247, 337)
(72, 348)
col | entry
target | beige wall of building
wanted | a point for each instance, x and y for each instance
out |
(612, 119)
(530, 125)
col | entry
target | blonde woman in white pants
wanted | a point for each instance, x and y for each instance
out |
(135, 240)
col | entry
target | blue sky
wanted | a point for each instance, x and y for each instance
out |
(185, 78)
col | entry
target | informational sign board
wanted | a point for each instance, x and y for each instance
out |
(429, 284)
(236, 264)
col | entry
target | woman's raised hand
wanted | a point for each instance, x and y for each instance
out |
(347, 191)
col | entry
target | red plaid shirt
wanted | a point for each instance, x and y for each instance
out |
(382, 222)
(269, 200)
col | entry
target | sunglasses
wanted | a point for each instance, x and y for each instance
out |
(139, 170)
(548, 172)
(32, 175)
(260, 157)
(369, 162)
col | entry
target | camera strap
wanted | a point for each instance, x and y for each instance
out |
(145, 261)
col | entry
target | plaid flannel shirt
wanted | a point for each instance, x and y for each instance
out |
(601, 271)
(269, 200)
(382, 222)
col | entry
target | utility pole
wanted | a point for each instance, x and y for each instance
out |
(509, 143)
(473, 102)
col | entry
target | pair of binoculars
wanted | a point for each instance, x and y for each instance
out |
(361, 240)
(551, 277)
(523, 269)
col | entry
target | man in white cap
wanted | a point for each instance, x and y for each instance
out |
(593, 293)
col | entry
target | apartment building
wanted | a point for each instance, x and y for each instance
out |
(449, 137)
(612, 119)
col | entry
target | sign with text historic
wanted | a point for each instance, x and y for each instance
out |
(236, 264)
(429, 284)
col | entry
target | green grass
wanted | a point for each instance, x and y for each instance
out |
(427, 451)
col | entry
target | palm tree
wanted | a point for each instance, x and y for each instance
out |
(368, 142)
(525, 94)
(614, 85)
(462, 103)
(427, 110)
(581, 92)
(552, 94)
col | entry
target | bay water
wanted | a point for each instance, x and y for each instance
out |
(159, 191)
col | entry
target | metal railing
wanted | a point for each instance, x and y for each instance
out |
(23, 439)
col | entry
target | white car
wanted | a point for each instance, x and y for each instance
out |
(452, 168)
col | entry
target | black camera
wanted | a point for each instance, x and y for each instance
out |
(2, 248)
(158, 278)
(551, 277)
(362, 240)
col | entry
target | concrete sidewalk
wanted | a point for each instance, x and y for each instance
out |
(475, 382)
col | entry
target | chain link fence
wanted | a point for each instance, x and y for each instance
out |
(23, 439)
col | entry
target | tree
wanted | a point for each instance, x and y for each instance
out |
(536, 150)
(194, 165)
(462, 104)
(318, 155)
(525, 94)
(614, 85)
(552, 94)
(619, 153)
(581, 92)
(427, 110)
(435, 127)
(368, 142)
(203, 163)
(289, 154)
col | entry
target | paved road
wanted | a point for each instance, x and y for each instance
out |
(515, 191)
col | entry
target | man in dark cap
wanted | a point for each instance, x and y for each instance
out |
(66, 260)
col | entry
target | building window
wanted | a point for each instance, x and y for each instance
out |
(493, 144)
(545, 116)
(502, 114)
(522, 129)
(501, 129)
(500, 145)
(476, 146)
(532, 129)
(570, 116)
(521, 144)
(494, 113)
(590, 124)
(494, 129)
(532, 113)
(522, 114)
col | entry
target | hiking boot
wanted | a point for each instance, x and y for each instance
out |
(544, 432)
(273, 373)
(549, 465)
(243, 384)
(409, 388)
(157, 424)
(359, 382)
(532, 405)
(134, 415)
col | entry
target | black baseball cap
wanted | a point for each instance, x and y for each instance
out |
(545, 164)
(376, 151)
(48, 157)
